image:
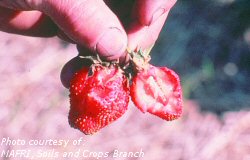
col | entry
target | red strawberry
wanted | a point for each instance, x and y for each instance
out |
(156, 90)
(97, 100)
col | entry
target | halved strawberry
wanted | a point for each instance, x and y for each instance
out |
(98, 99)
(157, 90)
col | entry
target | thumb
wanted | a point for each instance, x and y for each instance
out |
(90, 23)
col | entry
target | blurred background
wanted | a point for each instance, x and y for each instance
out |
(206, 42)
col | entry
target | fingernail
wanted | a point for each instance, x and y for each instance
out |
(112, 44)
(157, 14)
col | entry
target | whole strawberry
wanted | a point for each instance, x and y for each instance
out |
(98, 96)
(156, 90)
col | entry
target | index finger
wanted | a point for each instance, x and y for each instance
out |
(149, 17)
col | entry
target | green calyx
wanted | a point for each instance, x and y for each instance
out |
(139, 59)
(98, 61)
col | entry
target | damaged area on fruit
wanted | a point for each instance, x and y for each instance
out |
(156, 90)
(99, 95)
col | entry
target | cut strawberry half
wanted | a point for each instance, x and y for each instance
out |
(157, 90)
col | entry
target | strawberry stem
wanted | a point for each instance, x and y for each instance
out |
(139, 60)
(97, 60)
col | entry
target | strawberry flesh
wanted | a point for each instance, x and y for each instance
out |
(157, 90)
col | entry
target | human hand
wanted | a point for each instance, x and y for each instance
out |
(104, 27)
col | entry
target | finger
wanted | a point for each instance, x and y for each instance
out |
(32, 23)
(88, 22)
(148, 11)
(91, 24)
(75, 64)
(71, 67)
(29, 23)
(149, 17)
(64, 37)
(143, 37)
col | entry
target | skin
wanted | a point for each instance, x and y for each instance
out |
(106, 27)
